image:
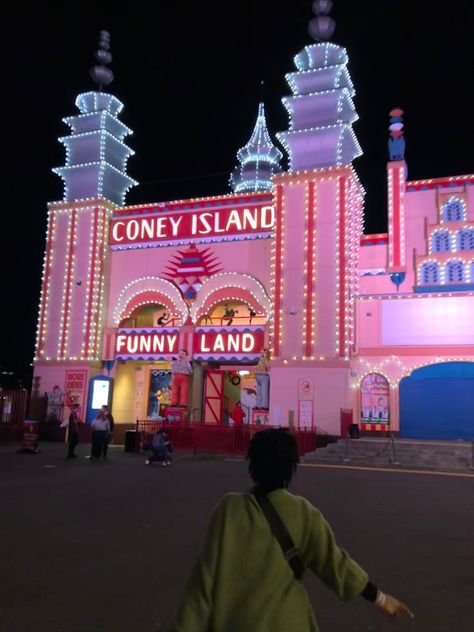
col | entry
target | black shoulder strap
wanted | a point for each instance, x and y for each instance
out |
(280, 532)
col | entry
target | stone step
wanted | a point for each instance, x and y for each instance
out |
(411, 454)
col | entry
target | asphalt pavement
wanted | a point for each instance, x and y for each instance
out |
(107, 547)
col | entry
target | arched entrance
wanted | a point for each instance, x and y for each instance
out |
(231, 312)
(437, 402)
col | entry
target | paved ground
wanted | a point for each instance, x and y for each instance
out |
(107, 547)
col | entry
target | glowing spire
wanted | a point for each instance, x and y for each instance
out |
(96, 155)
(259, 160)
(321, 110)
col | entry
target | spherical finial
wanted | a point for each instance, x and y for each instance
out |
(100, 73)
(321, 28)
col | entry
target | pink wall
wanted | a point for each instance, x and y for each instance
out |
(331, 393)
(250, 257)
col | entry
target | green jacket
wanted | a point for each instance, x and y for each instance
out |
(241, 581)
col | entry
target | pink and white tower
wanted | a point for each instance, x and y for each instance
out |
(319, 205)
(72, 304)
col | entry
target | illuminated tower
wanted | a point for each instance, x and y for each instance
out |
(95, 181)
(259, 160)
(318, 213)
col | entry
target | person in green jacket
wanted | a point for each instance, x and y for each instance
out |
(241, 581)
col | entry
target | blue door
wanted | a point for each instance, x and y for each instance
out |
(437, 402)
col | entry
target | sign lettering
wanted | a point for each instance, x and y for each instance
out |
(159, 228)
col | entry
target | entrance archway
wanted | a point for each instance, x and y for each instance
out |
(437, 402)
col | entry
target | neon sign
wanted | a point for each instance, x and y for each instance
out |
(162, 229)
(146, 344)
(225, 343)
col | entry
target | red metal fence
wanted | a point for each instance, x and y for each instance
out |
(216, 438)
(13, 403)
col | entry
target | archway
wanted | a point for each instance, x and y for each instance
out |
(150, 291)
(235, 290)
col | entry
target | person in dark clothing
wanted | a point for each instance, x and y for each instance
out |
(100, 431)
(73, 432)
(160, 449)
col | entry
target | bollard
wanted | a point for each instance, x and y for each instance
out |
(472, 455)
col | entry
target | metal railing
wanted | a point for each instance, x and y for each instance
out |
(214, 438)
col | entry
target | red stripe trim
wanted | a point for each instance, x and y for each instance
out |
(278, 263)
(45, 286)
(91, 282)
(67, 299)
(395, 228)
(342, 264)
(310, 270)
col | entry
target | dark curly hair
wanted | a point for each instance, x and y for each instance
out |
(273, 457)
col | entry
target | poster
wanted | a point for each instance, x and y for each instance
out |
(375, 399)
(159, 394)
(75, 387)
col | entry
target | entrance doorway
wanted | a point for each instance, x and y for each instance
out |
(223, 388)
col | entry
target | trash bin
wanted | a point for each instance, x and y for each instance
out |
(130, 441)
(354, 431)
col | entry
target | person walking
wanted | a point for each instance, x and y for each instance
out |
(73, 431)
(100, 430)
(256, 549)
(110, 436)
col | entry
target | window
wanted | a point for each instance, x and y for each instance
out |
(465, 239)
(429, 273)
(472, 271)
(454, 272)
(441, 241)
(453, 210)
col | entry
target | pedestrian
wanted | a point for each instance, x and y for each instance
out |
(160, 448)
(238, 415)
(110, 436)
(73, 431)
(257, 546)
(100, 430)
(262, 377)
(181, 371)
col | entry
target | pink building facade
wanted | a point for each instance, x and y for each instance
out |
(381, 325)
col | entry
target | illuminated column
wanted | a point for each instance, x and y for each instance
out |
(396, 179)
(315, 259)
(318, 205)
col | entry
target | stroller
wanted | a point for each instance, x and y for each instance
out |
(160, 449)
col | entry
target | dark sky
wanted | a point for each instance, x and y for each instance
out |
(189, 74)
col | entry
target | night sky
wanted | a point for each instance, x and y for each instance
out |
(189, 74)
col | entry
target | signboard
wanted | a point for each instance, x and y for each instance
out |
(147, 343)
(160, 228)
(305, 413)
(305, 403)
(228, 343)
(30, 435)
(74, 387)
(100, 394)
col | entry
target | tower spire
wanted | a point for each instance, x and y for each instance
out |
(100, 73)
(96, 154)
(321, 110)
(259, 159)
